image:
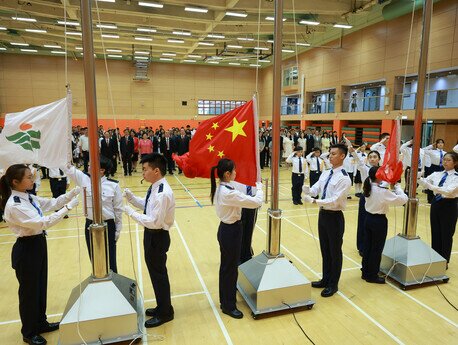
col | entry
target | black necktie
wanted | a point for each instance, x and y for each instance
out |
(61, 172)
(326, 185)
(300, 165)
(317, 164)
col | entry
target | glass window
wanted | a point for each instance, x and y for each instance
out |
(216, 107)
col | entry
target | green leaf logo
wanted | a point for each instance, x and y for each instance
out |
(28, 139)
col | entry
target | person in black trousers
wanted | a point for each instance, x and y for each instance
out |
(109, 149)
(182, 144)
(444, 206)
(127, 151)
(169, 148)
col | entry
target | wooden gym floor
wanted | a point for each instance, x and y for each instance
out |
(360, 313)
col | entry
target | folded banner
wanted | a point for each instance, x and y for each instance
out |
(39, 135)
(232, 135)
(391, 169)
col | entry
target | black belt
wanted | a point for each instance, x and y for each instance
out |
(329, 211)
(154, 230)
(25, 238)
(57, 178)
(236, 222)
(298, 174)
(378, 214)
(315, 171)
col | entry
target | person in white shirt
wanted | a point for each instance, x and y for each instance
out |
(434, 155)
(298, 173)
(316, 163)
(406, 151)
(380, 147)
(23, 212)
(443, 211)
(58, 182)
(228, 205)
(349, 165)
(111, 205)
(455, 148)
(378, 200)
(157, 217)
(333, 186)
(84, 148)
(359, 155)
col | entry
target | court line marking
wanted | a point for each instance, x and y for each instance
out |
(187, 190)
(388, 283)
(202, 283)
(140, 281)
(375, 322)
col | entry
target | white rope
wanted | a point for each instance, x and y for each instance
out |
(65, 47)
(257, 44)
(295, 42)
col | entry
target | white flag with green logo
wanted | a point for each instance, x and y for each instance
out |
(39, 135)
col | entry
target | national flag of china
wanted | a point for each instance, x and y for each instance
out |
(391, 169)
(231, 135)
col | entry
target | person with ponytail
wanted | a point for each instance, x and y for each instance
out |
(23, 212)
(444, 210)
(378, 200)
(228, 204)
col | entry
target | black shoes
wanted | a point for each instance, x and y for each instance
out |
(50, 327)
(376, 280)
(298, 202)
(319, 284)
(329, 291)
(153, 312)
(236, 314)
(158, 320)
(35, 340)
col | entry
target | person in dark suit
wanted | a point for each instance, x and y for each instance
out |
(127, 151)
(334, 138)
(169, 148)
(309, 138)
(182, 144)
(108, 149)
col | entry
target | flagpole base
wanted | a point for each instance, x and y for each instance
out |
(411, 262)
(271, 284)
(107, 311)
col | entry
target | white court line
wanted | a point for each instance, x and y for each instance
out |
(179, 296)
(202, 283)
(187, 190)
(454, 252)
(388, 283)
(375, 322)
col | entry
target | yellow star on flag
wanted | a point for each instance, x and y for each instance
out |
(211, 148)
(209, 136)
(220, 154)
(236, 129)
(215, 125)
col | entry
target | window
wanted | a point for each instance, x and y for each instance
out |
(290, 76)
(213, 107)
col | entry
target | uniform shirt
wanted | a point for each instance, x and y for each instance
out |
(160, 210)
(24, 219)
(455, 148)
(244, 189)
(434, 154)
(229, 202)
(382, 198)
(362, 166)
(55, 173)
(449, 189)
(349, 164)
(407, 156)
(111, 196)
(294, 160)
(325, 158)
(380, 148)
(315, 162)
(84, 143)
(336, 193)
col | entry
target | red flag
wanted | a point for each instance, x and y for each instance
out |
(391, 169)
(232, 135)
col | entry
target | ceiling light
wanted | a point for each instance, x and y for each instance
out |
(74, 33)
(181, 33)
(270, 41)
(216, 36)
(19, 44)
(273, 18)
(194, 56)
(303, 44)
(109, 36)
(141, 58)
(2, 28)
(234, 46)
(79, 48)
(115, 56)
(215, 57)
(2, 48)
(29, 50)
(38, 31)
(138, 38)
(196, 9)
(187, 60)
(243, 59)
(343, 26)
(106, 1)
(234, 63)
(146, 30)
(172, 40)
(309, 22)
(213, 62)
(106, 26)
(52, 46)
(62, 22)
(165, 59)
(57, 52)
(254, 65)
(150, 4)
(236, 14)
(114, 50)
(206, 44)
(169, 54)
(260, 48)
(287, 51)
(245, 39)
(23, 19)
(265, 61)
(142, 53)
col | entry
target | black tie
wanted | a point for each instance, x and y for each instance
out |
(61, 172)
(317, 164)
(300, 165)
(146, 200)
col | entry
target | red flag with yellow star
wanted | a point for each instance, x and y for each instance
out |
(232, 135)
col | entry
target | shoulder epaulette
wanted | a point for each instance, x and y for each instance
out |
(456, 174)
(228, 187)
(161, 188)
(381, 186)
(344, 172)
(112, 180)
(17, 199)
(87, 174)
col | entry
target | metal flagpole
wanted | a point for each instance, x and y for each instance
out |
(269, 282)
(109, 311)
(406, 258)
